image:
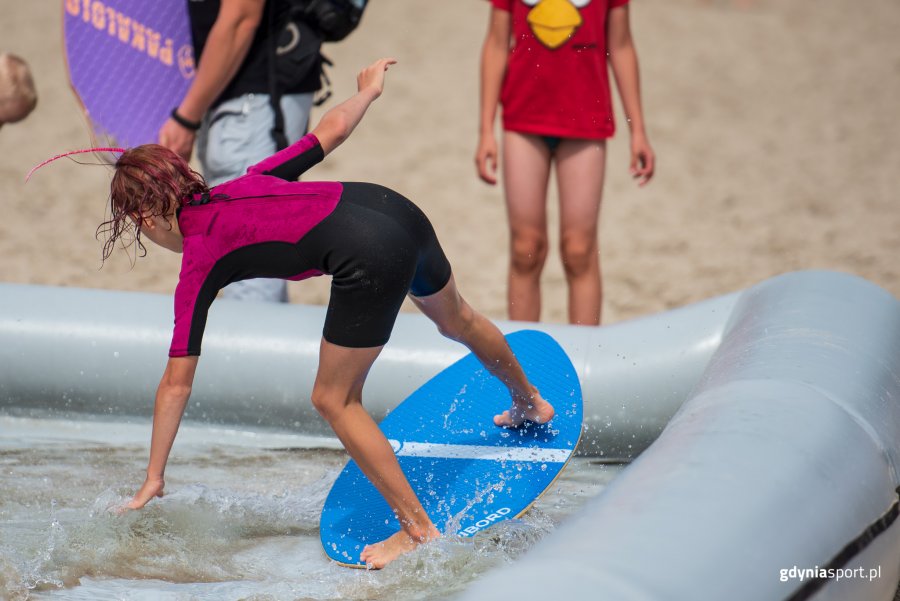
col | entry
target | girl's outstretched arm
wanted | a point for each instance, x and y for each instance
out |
(171, 399)
(338, 123)
(334, 127)
(624, 62)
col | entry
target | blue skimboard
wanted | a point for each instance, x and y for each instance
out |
(468, 473)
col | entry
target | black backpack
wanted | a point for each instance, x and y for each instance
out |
(296, 33)
(334, 19)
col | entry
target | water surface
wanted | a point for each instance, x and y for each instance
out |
(239, 520)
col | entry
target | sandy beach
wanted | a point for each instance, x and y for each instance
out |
(775, 124)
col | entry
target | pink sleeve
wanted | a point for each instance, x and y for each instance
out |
(291, 162)
(185, 300)
(617, 3)
(192, 302)
(503, 4)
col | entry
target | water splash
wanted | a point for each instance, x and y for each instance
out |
(236, 523)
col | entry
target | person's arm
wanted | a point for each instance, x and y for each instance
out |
(171, 399)
(225, 50)
(334, 127)
(494, 56)
(338, 123)
(624, 62)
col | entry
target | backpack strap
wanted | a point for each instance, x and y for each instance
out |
(277, 131)
(323, 78)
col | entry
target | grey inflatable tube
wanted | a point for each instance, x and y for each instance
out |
(777, 479)
(68, 350)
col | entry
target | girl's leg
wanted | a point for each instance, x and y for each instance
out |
(580, 166)
(337, 396)
(526, 171)
(456, 319)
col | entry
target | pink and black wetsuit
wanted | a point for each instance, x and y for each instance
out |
(377, 246)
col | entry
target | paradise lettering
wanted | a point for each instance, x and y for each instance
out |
(127, 30)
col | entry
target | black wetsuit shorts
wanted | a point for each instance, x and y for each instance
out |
(378, 247)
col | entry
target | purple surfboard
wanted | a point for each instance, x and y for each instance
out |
(130, 63)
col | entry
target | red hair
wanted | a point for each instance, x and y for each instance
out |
(150, 180)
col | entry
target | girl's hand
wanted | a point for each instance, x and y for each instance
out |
(372, 77)
(643, 161)
(486, 158)
(153, 487)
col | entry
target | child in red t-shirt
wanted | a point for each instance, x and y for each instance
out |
(545, 61)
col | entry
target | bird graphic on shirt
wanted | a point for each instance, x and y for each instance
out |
(553, 22)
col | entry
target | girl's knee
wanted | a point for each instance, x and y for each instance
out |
(528, 251)
(329, 402)
(579, 253)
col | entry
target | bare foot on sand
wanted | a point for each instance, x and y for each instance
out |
(378, 555)
(532, 408)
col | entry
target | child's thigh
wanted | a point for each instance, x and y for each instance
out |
(526, 172)
(580, 172)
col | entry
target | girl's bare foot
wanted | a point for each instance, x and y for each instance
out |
(531, 408)
(378, 555)
(152, 487)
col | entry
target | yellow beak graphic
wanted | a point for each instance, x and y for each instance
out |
(554, 21)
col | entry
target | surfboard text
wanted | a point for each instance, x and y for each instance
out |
(485, 522)
(125, 29)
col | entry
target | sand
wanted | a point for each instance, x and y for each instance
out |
(775, 123)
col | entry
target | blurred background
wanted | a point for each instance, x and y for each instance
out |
(775, 125)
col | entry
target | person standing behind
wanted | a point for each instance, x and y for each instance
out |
(545, 61)
(17, 95)
(227, 109)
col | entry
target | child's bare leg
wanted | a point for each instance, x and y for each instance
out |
(458, 321)
(337, 396)
(579, 170)
(526, 171)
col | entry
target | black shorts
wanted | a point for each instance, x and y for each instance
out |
(378, 247)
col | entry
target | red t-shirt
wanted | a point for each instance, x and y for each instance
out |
(557, 81)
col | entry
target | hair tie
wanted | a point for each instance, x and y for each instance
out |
(65, 154)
